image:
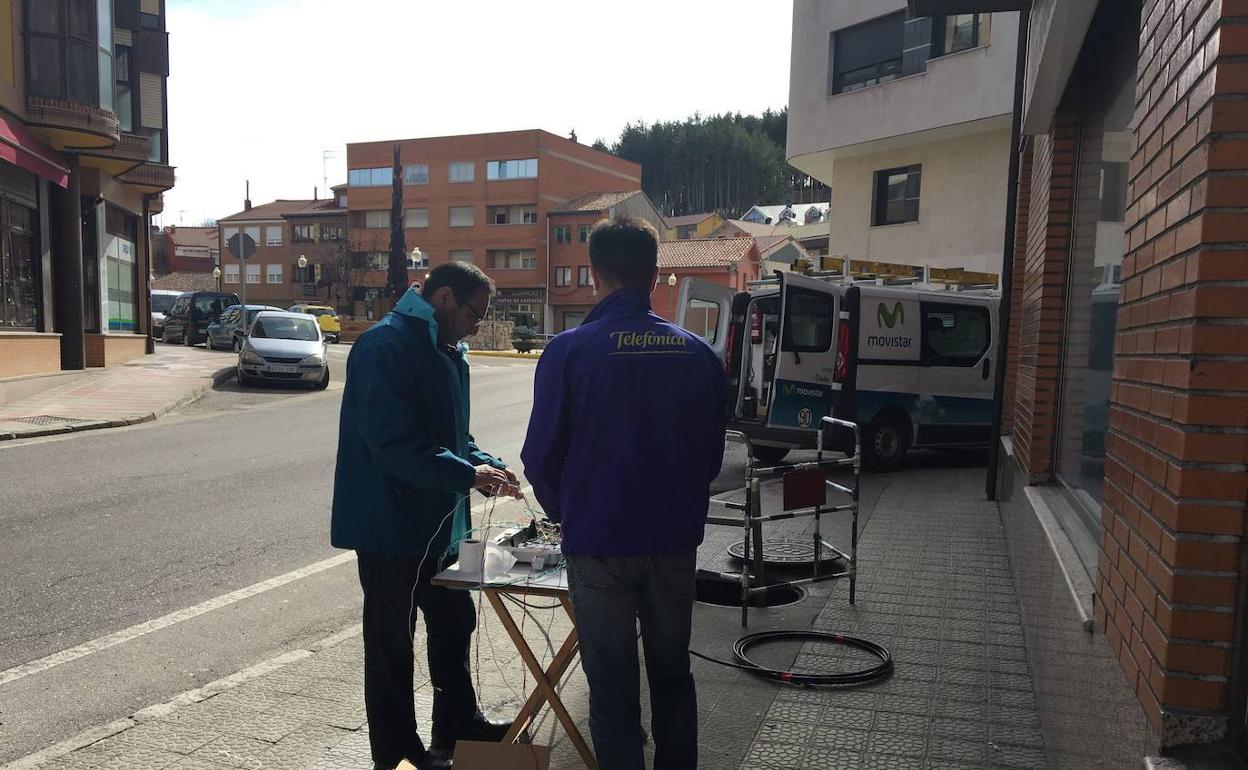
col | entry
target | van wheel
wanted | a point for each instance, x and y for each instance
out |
(238, 345)
(770, 454)
(885, 444)
(187, 339)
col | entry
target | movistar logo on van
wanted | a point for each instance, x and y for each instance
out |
(890, 319)
(797, 390)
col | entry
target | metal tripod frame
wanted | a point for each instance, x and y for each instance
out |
(753, 571)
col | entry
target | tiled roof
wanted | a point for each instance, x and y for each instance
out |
(703, 252)
(594, 201)
(202, 237)
(185, 281)
(319, 208)
(689, 219)
(755, 229)
(275, 210)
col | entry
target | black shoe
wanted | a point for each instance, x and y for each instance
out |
(479, 729)
(431, 761)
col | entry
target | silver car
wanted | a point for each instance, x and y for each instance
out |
(284, 347)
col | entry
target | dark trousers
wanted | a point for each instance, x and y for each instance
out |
(609, 597)
(390, 586)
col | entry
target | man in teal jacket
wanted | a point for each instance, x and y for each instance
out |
(406, 465)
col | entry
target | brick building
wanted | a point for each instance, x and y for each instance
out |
(284, 231)
(571, 292)
(83, 163)
(1124, 471)
(725, 261)
(185, 250)
(481, 198)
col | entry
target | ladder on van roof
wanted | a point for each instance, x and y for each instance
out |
(892, 282)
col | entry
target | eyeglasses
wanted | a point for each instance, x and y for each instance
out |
(477, 316)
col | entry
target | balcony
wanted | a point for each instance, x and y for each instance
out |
(69, 125)
(130, 151)
(860, 104)
(149, 177)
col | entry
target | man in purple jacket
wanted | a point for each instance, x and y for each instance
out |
(626, 435)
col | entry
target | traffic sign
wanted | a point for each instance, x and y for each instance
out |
(241, 242)
(414, 285)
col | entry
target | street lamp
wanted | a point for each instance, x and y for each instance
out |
(216, 276)
(671, 283)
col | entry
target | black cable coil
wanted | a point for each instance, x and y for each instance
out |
(743, 645)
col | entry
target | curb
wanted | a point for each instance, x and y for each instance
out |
(156, 711)
(501, 354)
(217, 377)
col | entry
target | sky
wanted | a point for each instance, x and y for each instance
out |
(260, 89)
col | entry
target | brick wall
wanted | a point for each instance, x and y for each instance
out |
(1038, 307)
(113, 349)
(1170, 568)
(25, 354)
(1021, 217)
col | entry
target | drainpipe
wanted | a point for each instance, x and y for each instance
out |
(549, 311)
(145, 296)
(1007, 263)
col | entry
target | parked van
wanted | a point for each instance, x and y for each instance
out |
(912, 366)
(187, 320)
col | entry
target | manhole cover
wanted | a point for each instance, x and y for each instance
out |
(46, 419)
(784, 551)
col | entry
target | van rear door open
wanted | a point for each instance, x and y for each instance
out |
(704, 309)
(804, 384)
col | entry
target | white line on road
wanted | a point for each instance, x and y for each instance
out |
(24, 670)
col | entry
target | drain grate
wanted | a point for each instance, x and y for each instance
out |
(46, 419)
(785, 551)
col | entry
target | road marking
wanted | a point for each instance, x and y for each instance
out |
(24, 670)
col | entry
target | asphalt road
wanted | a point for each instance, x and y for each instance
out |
(100, 532)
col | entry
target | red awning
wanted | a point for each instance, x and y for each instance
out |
(20, 147)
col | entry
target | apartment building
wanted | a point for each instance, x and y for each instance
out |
(907, 119)
(84, 160)
(285, 231)
(484, 199)
(571, 293)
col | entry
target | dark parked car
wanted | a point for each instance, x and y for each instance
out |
(187, 321)
(228, 331)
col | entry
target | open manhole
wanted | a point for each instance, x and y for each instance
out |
(44, 420)
(720, 592)
(786, 552)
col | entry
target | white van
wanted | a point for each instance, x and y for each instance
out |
(913, 367)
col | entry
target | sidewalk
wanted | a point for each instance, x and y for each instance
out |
(934, 587)
(129, 393)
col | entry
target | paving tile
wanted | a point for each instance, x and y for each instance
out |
(235, 751)
(840, 738)
(890, 762)
(905, 744)
(828, 758)
(848, 718)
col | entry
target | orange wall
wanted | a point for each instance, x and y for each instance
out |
(565, 169)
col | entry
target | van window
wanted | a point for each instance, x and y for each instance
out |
(808, 326)
(702, 318)
(955, 335)
(210, 304)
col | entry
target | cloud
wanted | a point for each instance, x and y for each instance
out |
(259, 90)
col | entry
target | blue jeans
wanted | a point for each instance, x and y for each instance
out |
(609, 597)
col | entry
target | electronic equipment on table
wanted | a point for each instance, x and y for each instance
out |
(538, 544)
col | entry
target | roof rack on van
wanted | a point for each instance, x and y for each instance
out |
(896, 282)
